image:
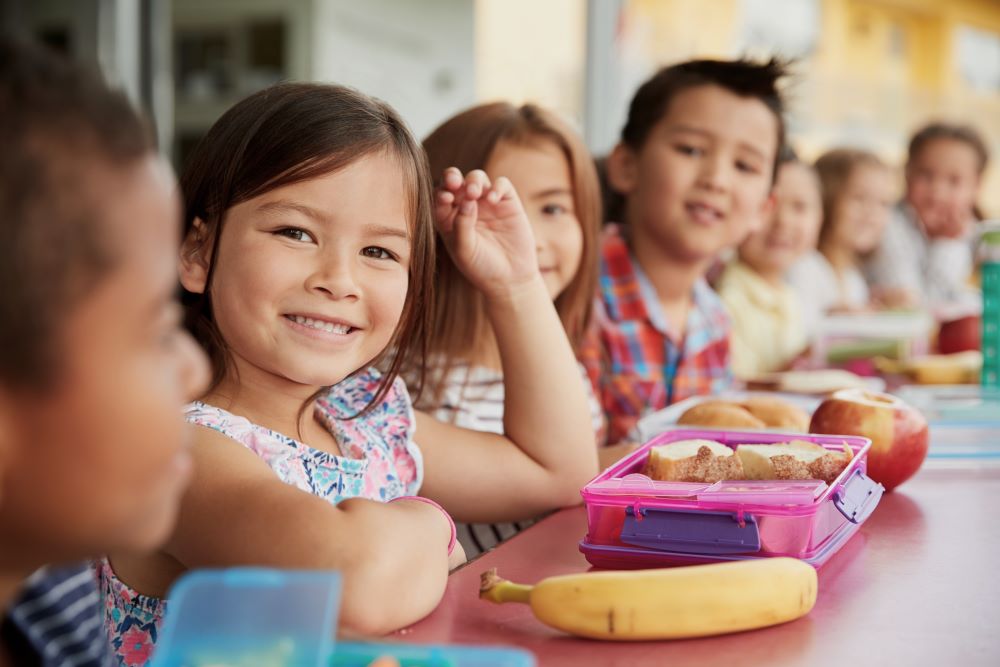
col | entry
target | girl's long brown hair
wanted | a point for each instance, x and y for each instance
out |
(293, 132)
(467, 141)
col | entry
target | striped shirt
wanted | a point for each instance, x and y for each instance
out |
(472, 397)
(56, 620)
(635, 364)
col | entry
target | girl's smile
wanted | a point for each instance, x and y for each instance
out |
(310, 278)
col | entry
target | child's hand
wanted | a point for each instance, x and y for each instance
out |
(894, 298)
(486, 231)
(953, 224)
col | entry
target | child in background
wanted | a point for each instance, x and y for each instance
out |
(857, 196)
(94, 365)
(766, 315)
(308, 261)
(550, 168)
(926, 255)
(695, 166)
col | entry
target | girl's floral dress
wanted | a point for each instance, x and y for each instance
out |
(380, 462)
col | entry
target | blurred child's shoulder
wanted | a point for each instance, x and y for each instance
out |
(732, 277)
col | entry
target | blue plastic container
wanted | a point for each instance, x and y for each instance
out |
(361, 655)
(252, 617)
(245, 617)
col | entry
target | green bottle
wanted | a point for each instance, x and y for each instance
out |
(989, 259)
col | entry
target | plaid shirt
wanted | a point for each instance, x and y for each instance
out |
(636, 367)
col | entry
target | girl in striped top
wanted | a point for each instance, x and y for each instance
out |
(469, 384)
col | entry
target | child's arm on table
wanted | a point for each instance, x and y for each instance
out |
(392, 556)
(547, 452)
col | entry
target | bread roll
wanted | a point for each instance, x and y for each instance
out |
(719, 414)
(693, 461)
(776, 413)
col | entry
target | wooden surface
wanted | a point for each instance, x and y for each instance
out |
(918, 585)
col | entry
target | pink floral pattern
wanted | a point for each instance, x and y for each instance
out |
(380, 461)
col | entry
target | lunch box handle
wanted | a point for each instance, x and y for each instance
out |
(858, 496)
(678, 531)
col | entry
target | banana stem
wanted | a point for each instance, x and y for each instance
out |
(497, 589)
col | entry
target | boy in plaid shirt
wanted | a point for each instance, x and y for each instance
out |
(694, 170)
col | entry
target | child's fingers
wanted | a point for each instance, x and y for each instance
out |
(502, 189)
(452, 179)
(465, 226)
(476, 183)
(444, 210)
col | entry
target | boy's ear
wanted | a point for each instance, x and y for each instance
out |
(622, 169)
(196, 252)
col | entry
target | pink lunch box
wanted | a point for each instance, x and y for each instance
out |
(635, 522)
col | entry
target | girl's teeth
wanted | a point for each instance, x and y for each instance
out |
(319, 325)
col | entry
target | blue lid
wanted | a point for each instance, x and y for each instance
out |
(361, 655)
(253, 617)
(250, 617)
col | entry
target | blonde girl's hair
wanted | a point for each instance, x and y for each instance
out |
(834, 169)
(467, 141)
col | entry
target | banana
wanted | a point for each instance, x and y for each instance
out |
(674, 603)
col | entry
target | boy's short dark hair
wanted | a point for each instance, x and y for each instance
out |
(963, 133)
(742, 77)
(58, 122)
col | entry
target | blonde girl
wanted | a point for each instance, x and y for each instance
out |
(554, 175)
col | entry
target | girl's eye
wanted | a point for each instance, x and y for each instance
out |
(554, 209)
(375, 252)
(685, 149)
(295, 234)
(746, 167)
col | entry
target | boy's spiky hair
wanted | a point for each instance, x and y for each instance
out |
(746, 78)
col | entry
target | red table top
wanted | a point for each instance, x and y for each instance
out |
(918, 585)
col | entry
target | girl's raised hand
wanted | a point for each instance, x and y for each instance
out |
(486, 231)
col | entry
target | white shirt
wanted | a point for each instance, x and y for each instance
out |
(472, 397)
(935, 270)
(820, 289)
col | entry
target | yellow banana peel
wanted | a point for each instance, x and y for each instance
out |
(670, 603)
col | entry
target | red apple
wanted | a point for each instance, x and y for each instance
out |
(897, 430)
(959, 335)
